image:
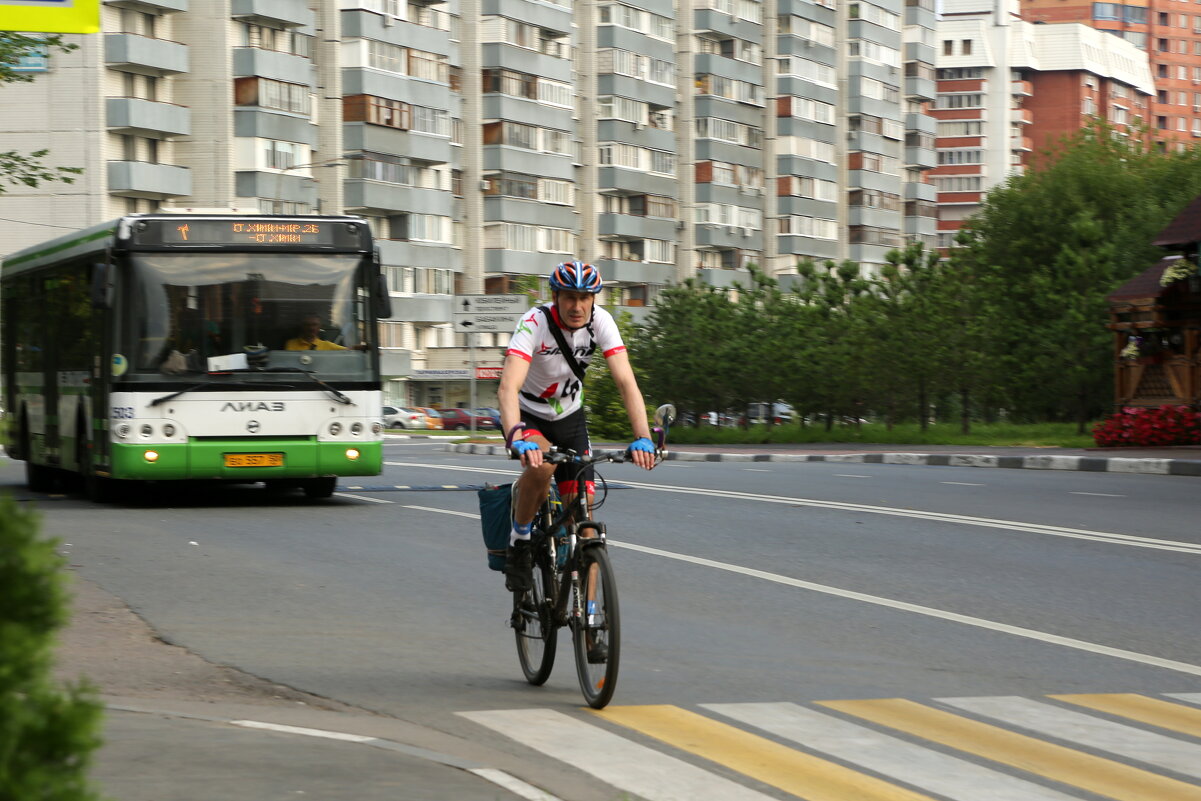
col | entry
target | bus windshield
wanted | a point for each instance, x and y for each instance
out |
(189, 314)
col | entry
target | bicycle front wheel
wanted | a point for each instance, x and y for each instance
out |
(597, 636)
(533, 624)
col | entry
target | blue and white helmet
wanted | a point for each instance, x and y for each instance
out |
(576, 276)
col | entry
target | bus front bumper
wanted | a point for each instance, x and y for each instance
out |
(261, 460)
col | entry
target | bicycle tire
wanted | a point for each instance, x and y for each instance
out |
(533, 626)
(598, 680)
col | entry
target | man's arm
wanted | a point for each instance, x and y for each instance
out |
(511, 380)
(627, 385)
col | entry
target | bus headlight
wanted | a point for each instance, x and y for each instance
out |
(147, 430)
(356, 428)
(168, 430)
(150, 456)
(376, 428)
(335, 428)
(352, 454)
(123, 430)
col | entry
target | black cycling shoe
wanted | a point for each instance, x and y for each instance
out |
(518, 567)
(598, 653)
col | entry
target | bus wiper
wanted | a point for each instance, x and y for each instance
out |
(222, 385)
(338, 395)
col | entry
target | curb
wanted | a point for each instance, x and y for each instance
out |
(500, 778)
(1093, 464)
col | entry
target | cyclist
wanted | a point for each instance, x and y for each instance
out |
(541, 388)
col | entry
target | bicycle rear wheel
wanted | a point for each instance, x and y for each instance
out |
(597, 637)
(532, 621)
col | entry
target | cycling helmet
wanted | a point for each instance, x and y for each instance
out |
(576, 276)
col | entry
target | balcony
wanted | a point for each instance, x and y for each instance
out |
(161, 6)
(635, 272)
(1021, 88)
(289, 12)
(133, 53)
(422, 309)
(1021, 143)
(1021, 116)
(145, 179)
(137, 116)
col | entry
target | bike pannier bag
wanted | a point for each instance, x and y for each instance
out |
(496, 522)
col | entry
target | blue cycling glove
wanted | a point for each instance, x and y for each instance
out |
(520, 447)
(642, 444)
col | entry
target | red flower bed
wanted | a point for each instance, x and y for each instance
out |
(1135, 426)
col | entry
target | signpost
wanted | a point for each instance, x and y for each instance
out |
(485, 314)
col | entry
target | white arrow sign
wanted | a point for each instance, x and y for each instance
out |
(491, 304)
(483, 322)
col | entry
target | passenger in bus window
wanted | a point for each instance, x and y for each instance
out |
(310, 337)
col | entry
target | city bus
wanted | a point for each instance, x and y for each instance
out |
(169, 347)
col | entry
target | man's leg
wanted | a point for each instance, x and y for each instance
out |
(532, 488)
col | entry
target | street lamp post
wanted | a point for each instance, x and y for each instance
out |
(280, 173)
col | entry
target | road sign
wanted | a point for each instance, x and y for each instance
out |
(482, 322)
(50, 16)
(488, 313)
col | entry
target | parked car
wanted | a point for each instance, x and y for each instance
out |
(780, 413)
(402, 417)
(488, 411)
(459, 419)
(433, 418)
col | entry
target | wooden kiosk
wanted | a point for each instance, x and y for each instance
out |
(1157, 327)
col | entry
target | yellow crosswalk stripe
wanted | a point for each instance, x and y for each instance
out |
(771, 763)
(1101, 776)
(1164, 714)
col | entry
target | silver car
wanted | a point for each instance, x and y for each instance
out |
(400, 417)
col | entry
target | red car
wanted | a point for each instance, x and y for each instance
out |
(461, 419)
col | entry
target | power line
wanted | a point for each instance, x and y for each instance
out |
(44, 225)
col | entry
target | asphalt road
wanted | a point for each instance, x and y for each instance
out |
(762, 584)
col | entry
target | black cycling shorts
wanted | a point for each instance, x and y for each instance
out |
(568, 432)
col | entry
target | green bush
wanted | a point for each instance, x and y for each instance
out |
(47, 732)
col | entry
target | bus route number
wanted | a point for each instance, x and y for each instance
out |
(122, 412)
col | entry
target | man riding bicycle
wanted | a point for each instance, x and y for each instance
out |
(542, 388)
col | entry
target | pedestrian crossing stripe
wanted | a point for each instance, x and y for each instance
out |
(1049, 760)
(1121, 746)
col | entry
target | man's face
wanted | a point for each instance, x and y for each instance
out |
(575, 308)
(311, 328)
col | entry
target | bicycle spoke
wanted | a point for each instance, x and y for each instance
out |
(597, 635)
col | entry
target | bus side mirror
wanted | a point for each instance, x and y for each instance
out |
(102, 286)
(383, 300)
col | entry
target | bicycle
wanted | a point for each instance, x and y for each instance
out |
(574, 589)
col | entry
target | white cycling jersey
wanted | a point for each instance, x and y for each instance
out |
(551, 390)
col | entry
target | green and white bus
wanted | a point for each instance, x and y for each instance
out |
(166, 347)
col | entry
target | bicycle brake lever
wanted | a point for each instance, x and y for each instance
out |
(660, 437)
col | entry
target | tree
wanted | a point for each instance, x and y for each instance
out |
(607, 418)
(47, 733)
(1045, 249)
(28, 169)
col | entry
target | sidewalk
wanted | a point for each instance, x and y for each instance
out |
(1176, 461)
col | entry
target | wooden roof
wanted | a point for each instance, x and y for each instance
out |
(1185, 229)
(1145, 285)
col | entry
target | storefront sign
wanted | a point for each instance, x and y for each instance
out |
(437, 375)
(50, 16)
(488, 373)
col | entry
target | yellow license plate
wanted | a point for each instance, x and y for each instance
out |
(254, 460)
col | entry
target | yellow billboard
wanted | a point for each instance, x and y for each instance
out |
(50, 16)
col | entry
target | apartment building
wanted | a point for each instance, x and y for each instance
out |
(1169, 32)
(1008, 89)
(487, 139)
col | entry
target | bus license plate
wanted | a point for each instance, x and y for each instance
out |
(254, 460)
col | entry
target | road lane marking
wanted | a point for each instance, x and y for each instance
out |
(363, 497)
(513, 784)
(1089, 730)
(328, 735)
(930, 770)
(1058, 763)
(792, 771)
(851, 475)
(440, 511)
(756, 469)
(628, 766)
(941, 614)
(962, 483)
(967, 520)
(1164, 714)
(1098, 494)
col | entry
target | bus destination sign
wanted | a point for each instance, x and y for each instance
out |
(282, 232)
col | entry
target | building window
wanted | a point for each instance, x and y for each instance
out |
(967, 47)
(948, 47)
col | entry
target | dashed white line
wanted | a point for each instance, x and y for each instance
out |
(514, 785)
(961, 483)
(363, 498)
(1098, 494)
(756, 469)
(328, 735)
(851, 475)
(441, 511)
